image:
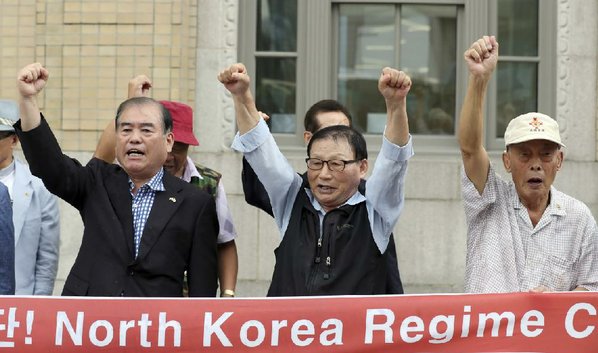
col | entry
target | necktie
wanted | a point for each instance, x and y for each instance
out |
(7, 244)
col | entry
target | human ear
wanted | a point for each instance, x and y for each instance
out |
(307, 136)
(506, 161)
(169, 141)
(560, 157)
(363, 168)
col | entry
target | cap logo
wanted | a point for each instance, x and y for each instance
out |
(536, 124)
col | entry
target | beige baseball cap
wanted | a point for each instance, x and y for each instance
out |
(532, 126)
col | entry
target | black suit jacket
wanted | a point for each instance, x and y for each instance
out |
(256, 195)
(180, 233)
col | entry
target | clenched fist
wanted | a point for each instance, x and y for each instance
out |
(32, 79)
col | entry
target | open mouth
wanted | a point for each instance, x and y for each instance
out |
(325, 189)
(535, 181)
(135, 153)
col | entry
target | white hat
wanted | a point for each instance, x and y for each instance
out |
(9, 114)
(532, 126)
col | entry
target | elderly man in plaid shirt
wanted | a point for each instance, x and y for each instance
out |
(523, 235)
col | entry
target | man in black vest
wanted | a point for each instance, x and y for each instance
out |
(324, 113)
(333, 237)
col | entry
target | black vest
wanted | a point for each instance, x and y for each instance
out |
(344, 261)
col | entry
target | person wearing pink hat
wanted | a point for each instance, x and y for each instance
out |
(179, 164)
(523, 234)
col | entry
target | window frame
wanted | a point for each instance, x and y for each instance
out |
(426, 143)
(317, 25)
(546, 60)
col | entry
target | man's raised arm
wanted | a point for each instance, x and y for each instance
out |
(481, 59)
(30, 81)
(394, 86)
(236, 80)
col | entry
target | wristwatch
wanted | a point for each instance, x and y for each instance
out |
(227, 293)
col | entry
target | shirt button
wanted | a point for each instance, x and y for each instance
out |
(132, 273)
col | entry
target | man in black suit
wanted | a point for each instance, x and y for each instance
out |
(143, 228)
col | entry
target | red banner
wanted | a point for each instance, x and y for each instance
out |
(520, 322)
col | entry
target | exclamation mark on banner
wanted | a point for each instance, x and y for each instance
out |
(28, 339)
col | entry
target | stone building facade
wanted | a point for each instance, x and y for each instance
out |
(92, 49)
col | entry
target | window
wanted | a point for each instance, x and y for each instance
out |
(420, 40)
(276, 62)
(517, 88)
(299, 52)
(526, 73)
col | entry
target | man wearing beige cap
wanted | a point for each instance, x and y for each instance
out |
(523, 235)
(35, 214)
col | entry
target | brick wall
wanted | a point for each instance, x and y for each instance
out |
(92, 49)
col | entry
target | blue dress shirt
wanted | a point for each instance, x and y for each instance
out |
(384, 195)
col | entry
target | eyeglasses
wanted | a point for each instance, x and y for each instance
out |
(337, 165)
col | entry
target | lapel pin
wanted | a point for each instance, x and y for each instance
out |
(172, 199)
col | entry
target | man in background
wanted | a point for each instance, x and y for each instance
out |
(36, 218)
(7, 240)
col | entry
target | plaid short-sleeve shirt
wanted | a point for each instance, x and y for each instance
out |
(505, 253)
